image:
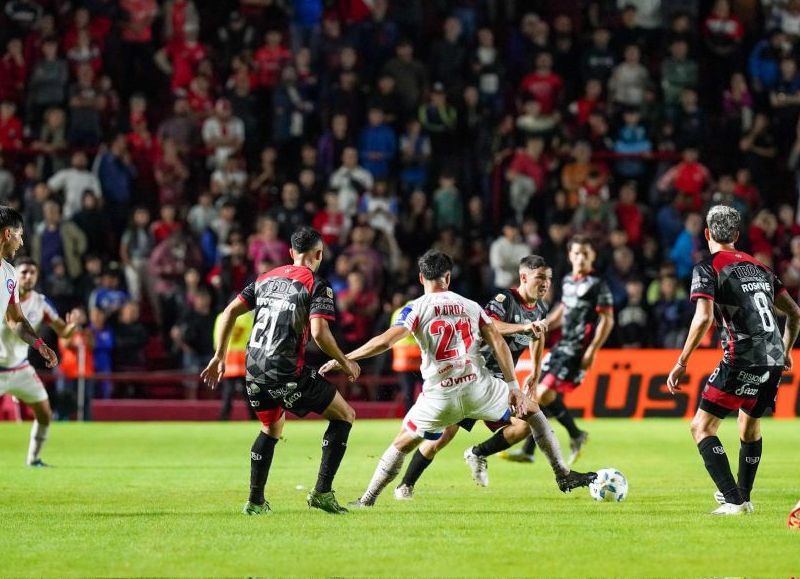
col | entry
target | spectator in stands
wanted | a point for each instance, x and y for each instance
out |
(179, 127)
(364, 257)
(102, 351)
(47, 84)
(14, 71)
(93, 223)
(633, 326)
(447, 203)
(230, 276)
(6, 182)
(193, 337)
(223, 134)
(678, 72)
(598, 60)
(270, 59)
(357, 306)
(289, 214)
(136, 244)
(55, 237)
(52, 143)
(543, 85)
(415, 154)
(109, 297)
(410, 76)
(230, 179)
(72, 182)
(671, 314)
(439, 119)
(688, 247)
(631, 215)
(377, 145)
(688, 180)
(504, 255)
(166, 224)
(168, 262)
(526, 175)
(11, 131)
(629, 80)
(350, 181)
(631, 140)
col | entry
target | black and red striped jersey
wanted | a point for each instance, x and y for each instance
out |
(743, 291)
(583, 297)
(284, 299)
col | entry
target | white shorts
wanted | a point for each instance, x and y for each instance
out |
(435, 410)
(23, 383)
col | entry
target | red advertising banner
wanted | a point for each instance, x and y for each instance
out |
(632, 384)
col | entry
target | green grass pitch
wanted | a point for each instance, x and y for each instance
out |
(164, 499)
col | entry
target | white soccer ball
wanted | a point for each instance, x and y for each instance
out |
(610, 485)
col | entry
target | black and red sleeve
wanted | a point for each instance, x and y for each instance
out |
(248, 295)
(322, 302)
(704, 282)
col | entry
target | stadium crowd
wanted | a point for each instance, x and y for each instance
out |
(162, 153)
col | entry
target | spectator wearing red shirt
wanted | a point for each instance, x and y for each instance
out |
(177, 15)
(137, 69)
(98, 29)
(330, 221)
(630, 214)
(357, 308)
(13, 72)
(763, 235)
(543, 84)
(722, 35)
(181, 57)
(230, 275)
(167, 223)
(526, 174)
(85, 51)
(270, 59)
(200, 98)
(10, 127)
(689, 179)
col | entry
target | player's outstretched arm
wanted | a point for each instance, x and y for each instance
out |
(23, 329)
(215, 369)
(321, 332)
(554, 317)
(377, 345)
(701, 322)
(537, 353)
(503, 355)
(605, 323)
(536, 329)
(785, 303)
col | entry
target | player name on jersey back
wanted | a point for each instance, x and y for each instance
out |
(447, 328)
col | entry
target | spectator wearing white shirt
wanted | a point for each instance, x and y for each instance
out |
(223, 134)
(504, 255)
(350, 181)
(73, 182)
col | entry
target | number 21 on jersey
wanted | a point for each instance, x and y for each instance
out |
(450, 337)
(264, 329)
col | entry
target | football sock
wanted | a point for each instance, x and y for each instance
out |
(719, 469)
(492, 445)
(530, 445)
(546, 440)
(749, 459)
(38, 436)
(415, 468)
(334, 445)
(388, 468)
(260, 460)
(562, 414)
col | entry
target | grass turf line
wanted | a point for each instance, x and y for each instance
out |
(163, 499)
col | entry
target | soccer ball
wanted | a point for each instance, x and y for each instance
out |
(610, 485)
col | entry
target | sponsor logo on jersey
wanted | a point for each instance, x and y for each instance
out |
(748, 272)
(749, 378)
(459, 380)
(745, 391)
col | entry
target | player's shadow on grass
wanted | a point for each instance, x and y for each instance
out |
(148, 514)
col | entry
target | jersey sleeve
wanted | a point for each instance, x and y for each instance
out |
(484, 319)
(248, 295)
(322, 304)
(777, 285)
(605, 301)
(497, 307)
(407, 318)
(703, 282)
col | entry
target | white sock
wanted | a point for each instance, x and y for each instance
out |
(546, 440)
(38, 436)
(388, 468)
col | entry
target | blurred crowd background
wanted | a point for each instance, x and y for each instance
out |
(163, 152)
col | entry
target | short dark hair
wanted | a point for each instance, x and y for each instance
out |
(532, 262)
(579, 239)
(434, 264)
(26, 260)
(305, 239)
(9, 218)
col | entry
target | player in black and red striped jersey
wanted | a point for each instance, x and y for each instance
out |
(290, 302)
(741, 294)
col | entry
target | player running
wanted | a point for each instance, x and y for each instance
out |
(289, 301)
(457, 385)
(741, 294)
(518, 315)
(17, 375)
(586, 316)
(11, 315)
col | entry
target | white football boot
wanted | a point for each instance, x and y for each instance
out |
(478, 466)
(720, 498)
(404, 493)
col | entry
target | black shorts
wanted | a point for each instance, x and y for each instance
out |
(565, 368)
(753, 390)
(493, 425)
(309, 392)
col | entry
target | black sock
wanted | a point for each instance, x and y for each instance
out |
(415, 468)
(717, 465)
(260, 460)
(562, 414)
(530, 445)
(334, 445)
(492, 445)
(749, 459)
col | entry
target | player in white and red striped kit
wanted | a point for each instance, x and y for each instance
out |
(457, 384)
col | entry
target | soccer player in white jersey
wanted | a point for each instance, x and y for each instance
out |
(457, 385)
(16, 373)
(11, 315)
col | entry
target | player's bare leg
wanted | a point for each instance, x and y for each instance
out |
(422, 460)
(704, 431)
(43, 415)
(340, 417)
(261, 454)
(388, 467)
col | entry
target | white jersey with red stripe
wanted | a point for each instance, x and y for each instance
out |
(14, 351)
(9, 293)
(447, 328)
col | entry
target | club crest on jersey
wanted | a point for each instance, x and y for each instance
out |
(500, 298)
(329, 292)
(10, 285)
